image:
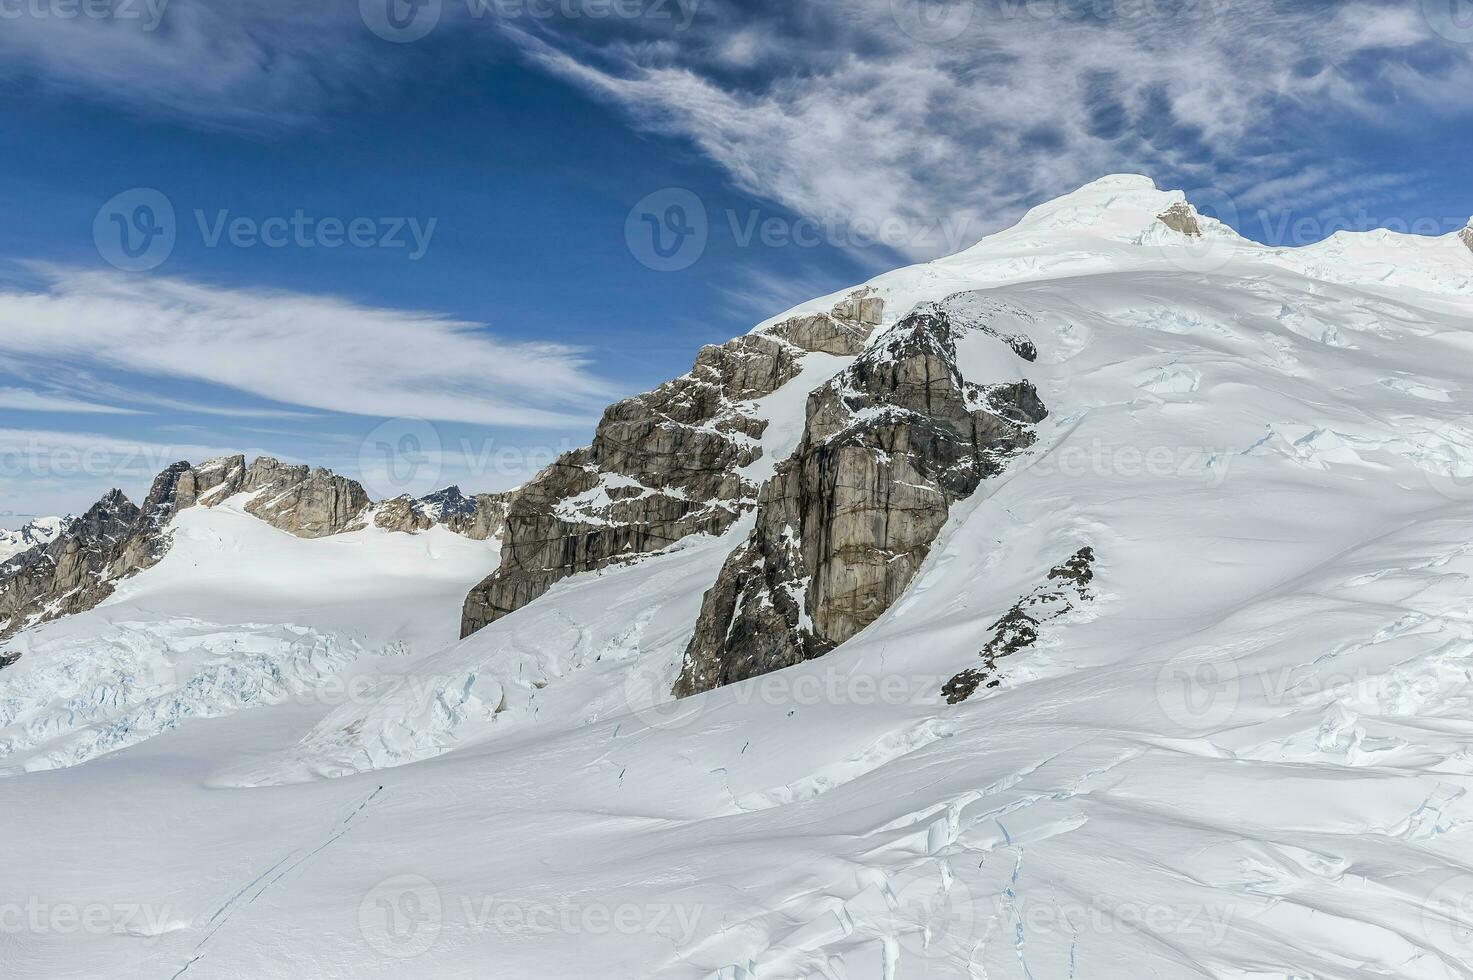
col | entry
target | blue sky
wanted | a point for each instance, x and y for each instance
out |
(347, 239)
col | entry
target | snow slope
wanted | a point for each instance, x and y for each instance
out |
(1248, 757)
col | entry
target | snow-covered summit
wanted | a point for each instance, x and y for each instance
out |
(1124, 223)
(41, 531)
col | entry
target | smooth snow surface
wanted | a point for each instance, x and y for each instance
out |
(1249, 757)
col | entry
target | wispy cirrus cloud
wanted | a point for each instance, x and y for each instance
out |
(848, 109)
(316, 352)
(974, 109)
(31, 400)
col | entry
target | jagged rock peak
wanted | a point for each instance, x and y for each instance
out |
(480, 517)
(1467, 236)
(845, 523)
(662, 465)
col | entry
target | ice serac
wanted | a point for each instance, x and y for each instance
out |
(845, 523)
(662, 465)
(480, 517)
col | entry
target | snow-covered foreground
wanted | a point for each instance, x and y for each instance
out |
(1248, 757)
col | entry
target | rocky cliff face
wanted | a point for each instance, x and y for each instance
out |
(302, 500)
(663, 465)
(82, 567)
(843, 525)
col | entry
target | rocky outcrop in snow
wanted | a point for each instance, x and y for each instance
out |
(844, 525)
(662, 466)
(1017, 629)
(1181, 217)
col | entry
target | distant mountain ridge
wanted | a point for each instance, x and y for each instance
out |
(40, 531)
(80, 564)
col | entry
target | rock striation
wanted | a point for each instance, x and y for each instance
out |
(843, 526)
(663, 465)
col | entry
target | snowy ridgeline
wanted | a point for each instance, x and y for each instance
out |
(1245, 755)
(40, 531)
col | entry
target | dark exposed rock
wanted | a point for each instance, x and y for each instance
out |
(1018, 628)
(6, 659)
(1467, 237)
(113, 539)
(662, 466)
(844, 525)
(1180, 217)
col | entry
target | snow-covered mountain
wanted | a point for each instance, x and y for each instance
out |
(1091, 603)
(32, 534)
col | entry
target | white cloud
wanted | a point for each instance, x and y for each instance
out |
(29, 400)
(836, 108)
(1028, 101)
(311, 351)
